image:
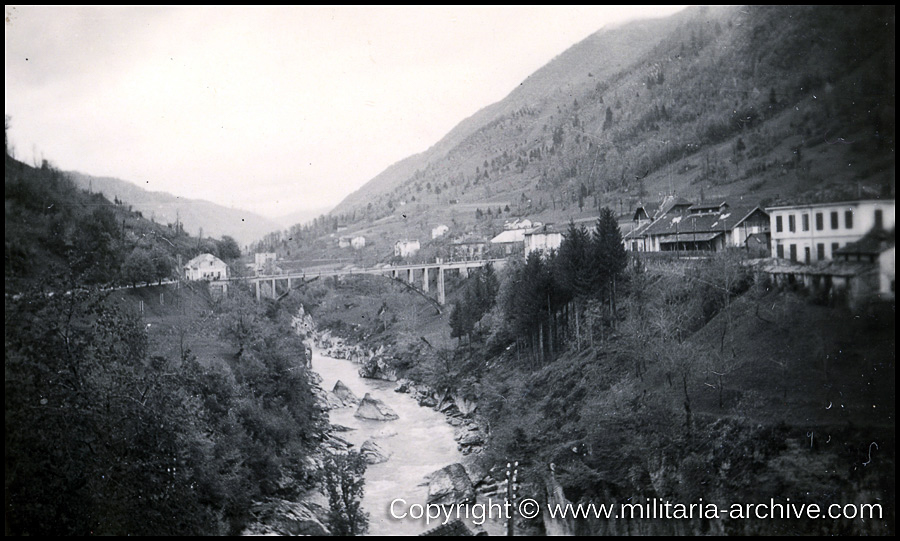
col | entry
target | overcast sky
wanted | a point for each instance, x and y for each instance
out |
(271, 109)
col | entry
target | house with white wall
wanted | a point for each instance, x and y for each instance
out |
(814, 232)
(205, 267)
(406, 248)
(542, 240)
(439, 231)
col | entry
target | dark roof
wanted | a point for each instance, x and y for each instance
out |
(757, 239)
(873, 243)
(686, 223)
(650, 210)
(454, 527)
(707, 206)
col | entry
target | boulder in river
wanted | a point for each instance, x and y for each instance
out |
(344, 394)
(377, 367)
(450, 485)
(373, 453)
(374, 409)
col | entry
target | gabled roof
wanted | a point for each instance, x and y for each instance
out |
(510, 235)
(648, 209)
(203, 258)
(683, 223)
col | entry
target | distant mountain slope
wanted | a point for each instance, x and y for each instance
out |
(195, 214)
(536, 89)
(301, 216)
(761, 102)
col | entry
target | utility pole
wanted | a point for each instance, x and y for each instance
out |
(512, 471)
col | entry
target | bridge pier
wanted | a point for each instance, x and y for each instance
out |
(411, 276)
(442, 298)
(258, 295)
(425, 279)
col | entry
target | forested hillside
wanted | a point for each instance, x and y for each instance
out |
(765, 102)
(121, 420)
(59, 235)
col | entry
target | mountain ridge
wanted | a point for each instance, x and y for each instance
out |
(195, 214)
(732, 101)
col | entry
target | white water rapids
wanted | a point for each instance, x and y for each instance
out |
(419, 442)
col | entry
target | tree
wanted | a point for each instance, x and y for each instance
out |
(608, 254)
(139, 267)
(229, 249)
(607, 123)
(344, 483)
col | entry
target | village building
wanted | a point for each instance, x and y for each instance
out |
(439, 231)
(205, 267)
(645, 214)
(468, 248)
(814, 232)
(406, 248)
(542, 240)
(344, 241)
(524, 223)
(358, 242)
(264, 263)
(510, 241)
(711, 227)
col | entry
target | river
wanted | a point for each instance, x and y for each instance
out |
(419, 442)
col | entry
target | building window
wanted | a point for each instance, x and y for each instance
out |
(779, 250)
(793, 252)
(834, 248)
(778, 225)
(848, 219)
(806, 222)
(806, 254)
(834, 220)
(792, 223)
(879, 219)
(820, 251)
(820, 221)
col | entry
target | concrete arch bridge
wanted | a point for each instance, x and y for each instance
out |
(422, 277)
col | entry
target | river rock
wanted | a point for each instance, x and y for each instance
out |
(373, 453)
(450, 485)
(282, 517)
(378, 367)
(344, 394)
(374, 409)
(402, 386)
(428, 401)
(465, 405)
(325, 400)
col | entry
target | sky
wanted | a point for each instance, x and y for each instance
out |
(267, 109)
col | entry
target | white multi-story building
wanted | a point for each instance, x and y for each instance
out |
(810, 233)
